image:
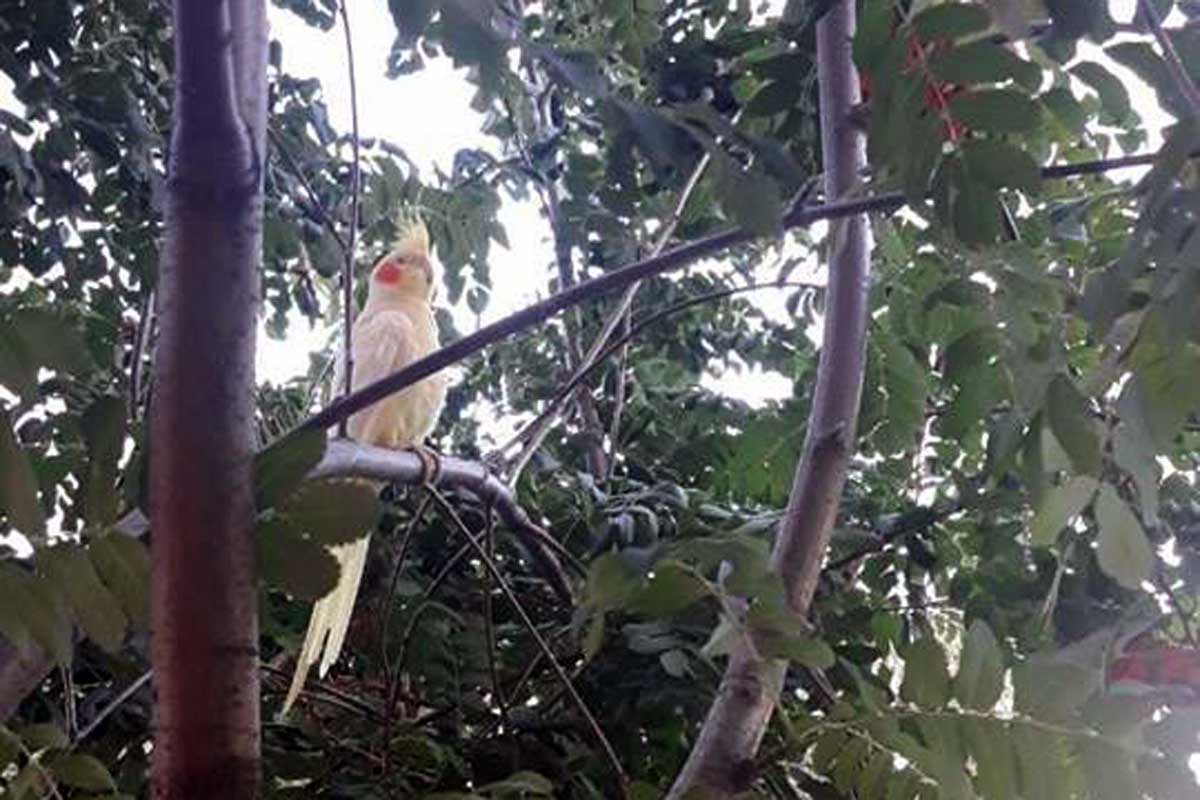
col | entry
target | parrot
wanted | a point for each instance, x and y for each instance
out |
(395, 328)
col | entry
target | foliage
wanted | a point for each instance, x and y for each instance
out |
(1022, 499)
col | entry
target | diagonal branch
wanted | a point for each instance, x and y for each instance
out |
(1179, 74)
(662, 263)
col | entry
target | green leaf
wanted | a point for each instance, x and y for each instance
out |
(926, 678)
(40, 608)
(18, 486)
(951, 20)
(280, 468)
(1052, 691)
(778, 633)
(984, 62)
(905, 382)
(80, 771)
(980, 677)
(520, 784)
(333, 511)
(1001, 165)
(772, 98)
(10, 748)
(43, 736)
(1059, 506)
(95, 609)
(1122, 550)
(1114, 97)
(990, 743)
(1066, 108)
(670, 588)
(51, 341)
(124, 566)
(749, 197)
(612, 579)
(104, 434)
(1070, 421)
(293, 562)
(995, 110)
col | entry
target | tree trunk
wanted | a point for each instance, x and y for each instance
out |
(722, 760)
(204, 599)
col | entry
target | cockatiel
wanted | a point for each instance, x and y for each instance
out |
(395, 328)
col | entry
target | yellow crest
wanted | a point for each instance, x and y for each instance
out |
(411, 234)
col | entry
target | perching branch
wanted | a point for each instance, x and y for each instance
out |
(667, 261)
(355, 189)
(344, 458)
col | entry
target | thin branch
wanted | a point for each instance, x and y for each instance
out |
(116, 703)
(664, 262)
(401, 554)
(355, 188)
(141, 344)
(565, 390)
(1179, 73)
(489, 623)
(619, 397)
(535, 432)
(543, 645)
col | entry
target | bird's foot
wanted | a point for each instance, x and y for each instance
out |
(431, 465)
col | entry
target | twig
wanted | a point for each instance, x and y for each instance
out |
(51, 784)
(116, 703)
(70, 710)
(708, 297)
(1179, 73)
(401, 554)
(489, 624)
(543, 645)
(664, 262)
(348, 269)
(140, 344)
(614, 428)
(535, 432)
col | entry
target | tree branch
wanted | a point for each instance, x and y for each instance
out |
(667, 261)
(346, 458)
(355, 188)
(1179, 73)
(722, 758)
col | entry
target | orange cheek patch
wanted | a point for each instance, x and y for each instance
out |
(387, 272)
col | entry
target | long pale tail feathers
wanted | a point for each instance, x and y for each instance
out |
(330, 617)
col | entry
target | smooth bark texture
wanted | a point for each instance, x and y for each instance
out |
(204, 647)
(721, 763)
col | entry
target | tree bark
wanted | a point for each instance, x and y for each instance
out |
(204, 600)
(722, 760)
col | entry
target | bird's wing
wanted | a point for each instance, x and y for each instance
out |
(382, 343)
